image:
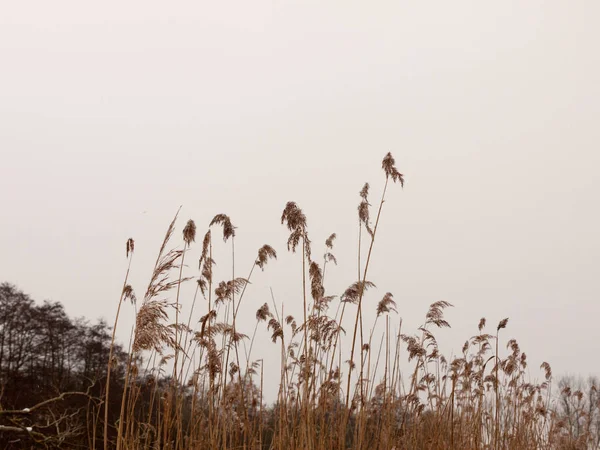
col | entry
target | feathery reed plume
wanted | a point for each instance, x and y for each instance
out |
(364, 192)
(128, 294)
(322, 304)
(205, 264)
(263, 313)
(277, 329)
(386, 304)
(264, 253)
(189, 232)
(130, 246)
(481, 324)
(328, 256)
(316, 281)
(160, 283)
(214, 359)
(435, 315)
(293, 217)
(204, 320)
(502, 324)
(205, 248)
(363, 209)
(226, 290)
(202, 285)
(151, 333)
(295, 220)
(547, 370)
(168, 235)
(329, 240)
(207, 269)
(355, 290)
(414, 347)
(389, 167)
(228, 228)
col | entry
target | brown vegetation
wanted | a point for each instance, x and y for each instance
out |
(200, 388)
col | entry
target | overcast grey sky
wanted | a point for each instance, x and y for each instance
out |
(112, 114)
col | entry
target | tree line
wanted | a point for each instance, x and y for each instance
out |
(51, 372)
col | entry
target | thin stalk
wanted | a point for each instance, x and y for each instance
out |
(362, 290)
(110, 353)
(175, 379)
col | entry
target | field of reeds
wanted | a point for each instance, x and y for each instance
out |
(200, 384)
(210, 393)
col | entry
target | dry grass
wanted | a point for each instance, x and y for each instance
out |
(326, 400)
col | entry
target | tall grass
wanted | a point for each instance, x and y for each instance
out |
(327, 399)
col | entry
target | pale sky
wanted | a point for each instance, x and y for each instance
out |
(112, 114)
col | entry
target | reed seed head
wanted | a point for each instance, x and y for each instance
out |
(263, 313)
(293, 217)
(389, 167)
(225, 221)
(128, 294)
(363, 208)
(316, 281)
(386, 304)
(353, 293)
(264, 253)
(189, 232)
(502, 324)
(364, 192)
(329, 240)
(481, 323)
(130, 246)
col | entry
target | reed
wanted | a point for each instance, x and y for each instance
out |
(394, 392)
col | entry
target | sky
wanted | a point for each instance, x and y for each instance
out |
(115, 114)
